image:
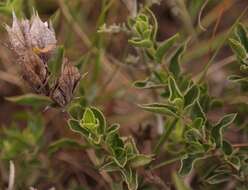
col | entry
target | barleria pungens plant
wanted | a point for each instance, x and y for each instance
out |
(180, 102)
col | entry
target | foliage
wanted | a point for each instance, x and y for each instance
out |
(179, 104)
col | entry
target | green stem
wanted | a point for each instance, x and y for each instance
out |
(165, 136)
(165, 163)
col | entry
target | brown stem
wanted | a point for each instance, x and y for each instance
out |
(240, 145)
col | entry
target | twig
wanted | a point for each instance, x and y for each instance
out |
(165, 136)
(11, 175)
(185, 17)
(164, 163)
(74, 25)
(200, 15)
(221, 64)
(241, 145)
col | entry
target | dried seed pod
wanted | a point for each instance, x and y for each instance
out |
(62, 92)
(35, 72)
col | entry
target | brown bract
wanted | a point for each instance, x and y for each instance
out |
(35, 72)
(62, 92)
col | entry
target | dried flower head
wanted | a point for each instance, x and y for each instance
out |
(31, 34)
(62, 92)
(34, 42)
(35, 72)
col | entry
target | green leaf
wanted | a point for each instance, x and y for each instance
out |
(131, 178)
(113, 129)
(145, 43)
(197, 123)
(88, 117)
(187, 163)
(193, 135)
(130, 147)
(100, 118)
(217, 130)
(227, 148)
(76, 127)
(146, 84)
(110, 167)
(179, 183)
(218, 178)
(140, 160)
(161, 76)
(174, 66)
(94, 138)
(55, 64)
(169, 126)
(76, 111)
(90, 123)
(197, 111)
(237, 78)
(164, 47)
(31, 100)
(160, 108)
(175, 92)
(191, 96)
(235, 162)
(155, 24)
(141, 83)
(242, 35)
(238, 49)
(120, 156)
(65, 143)
(114, 141)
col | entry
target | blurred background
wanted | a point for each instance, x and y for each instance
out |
(112, 67)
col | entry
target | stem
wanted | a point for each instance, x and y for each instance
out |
(77, 29)
(241, 145)
(165, 163)
(165, 136)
